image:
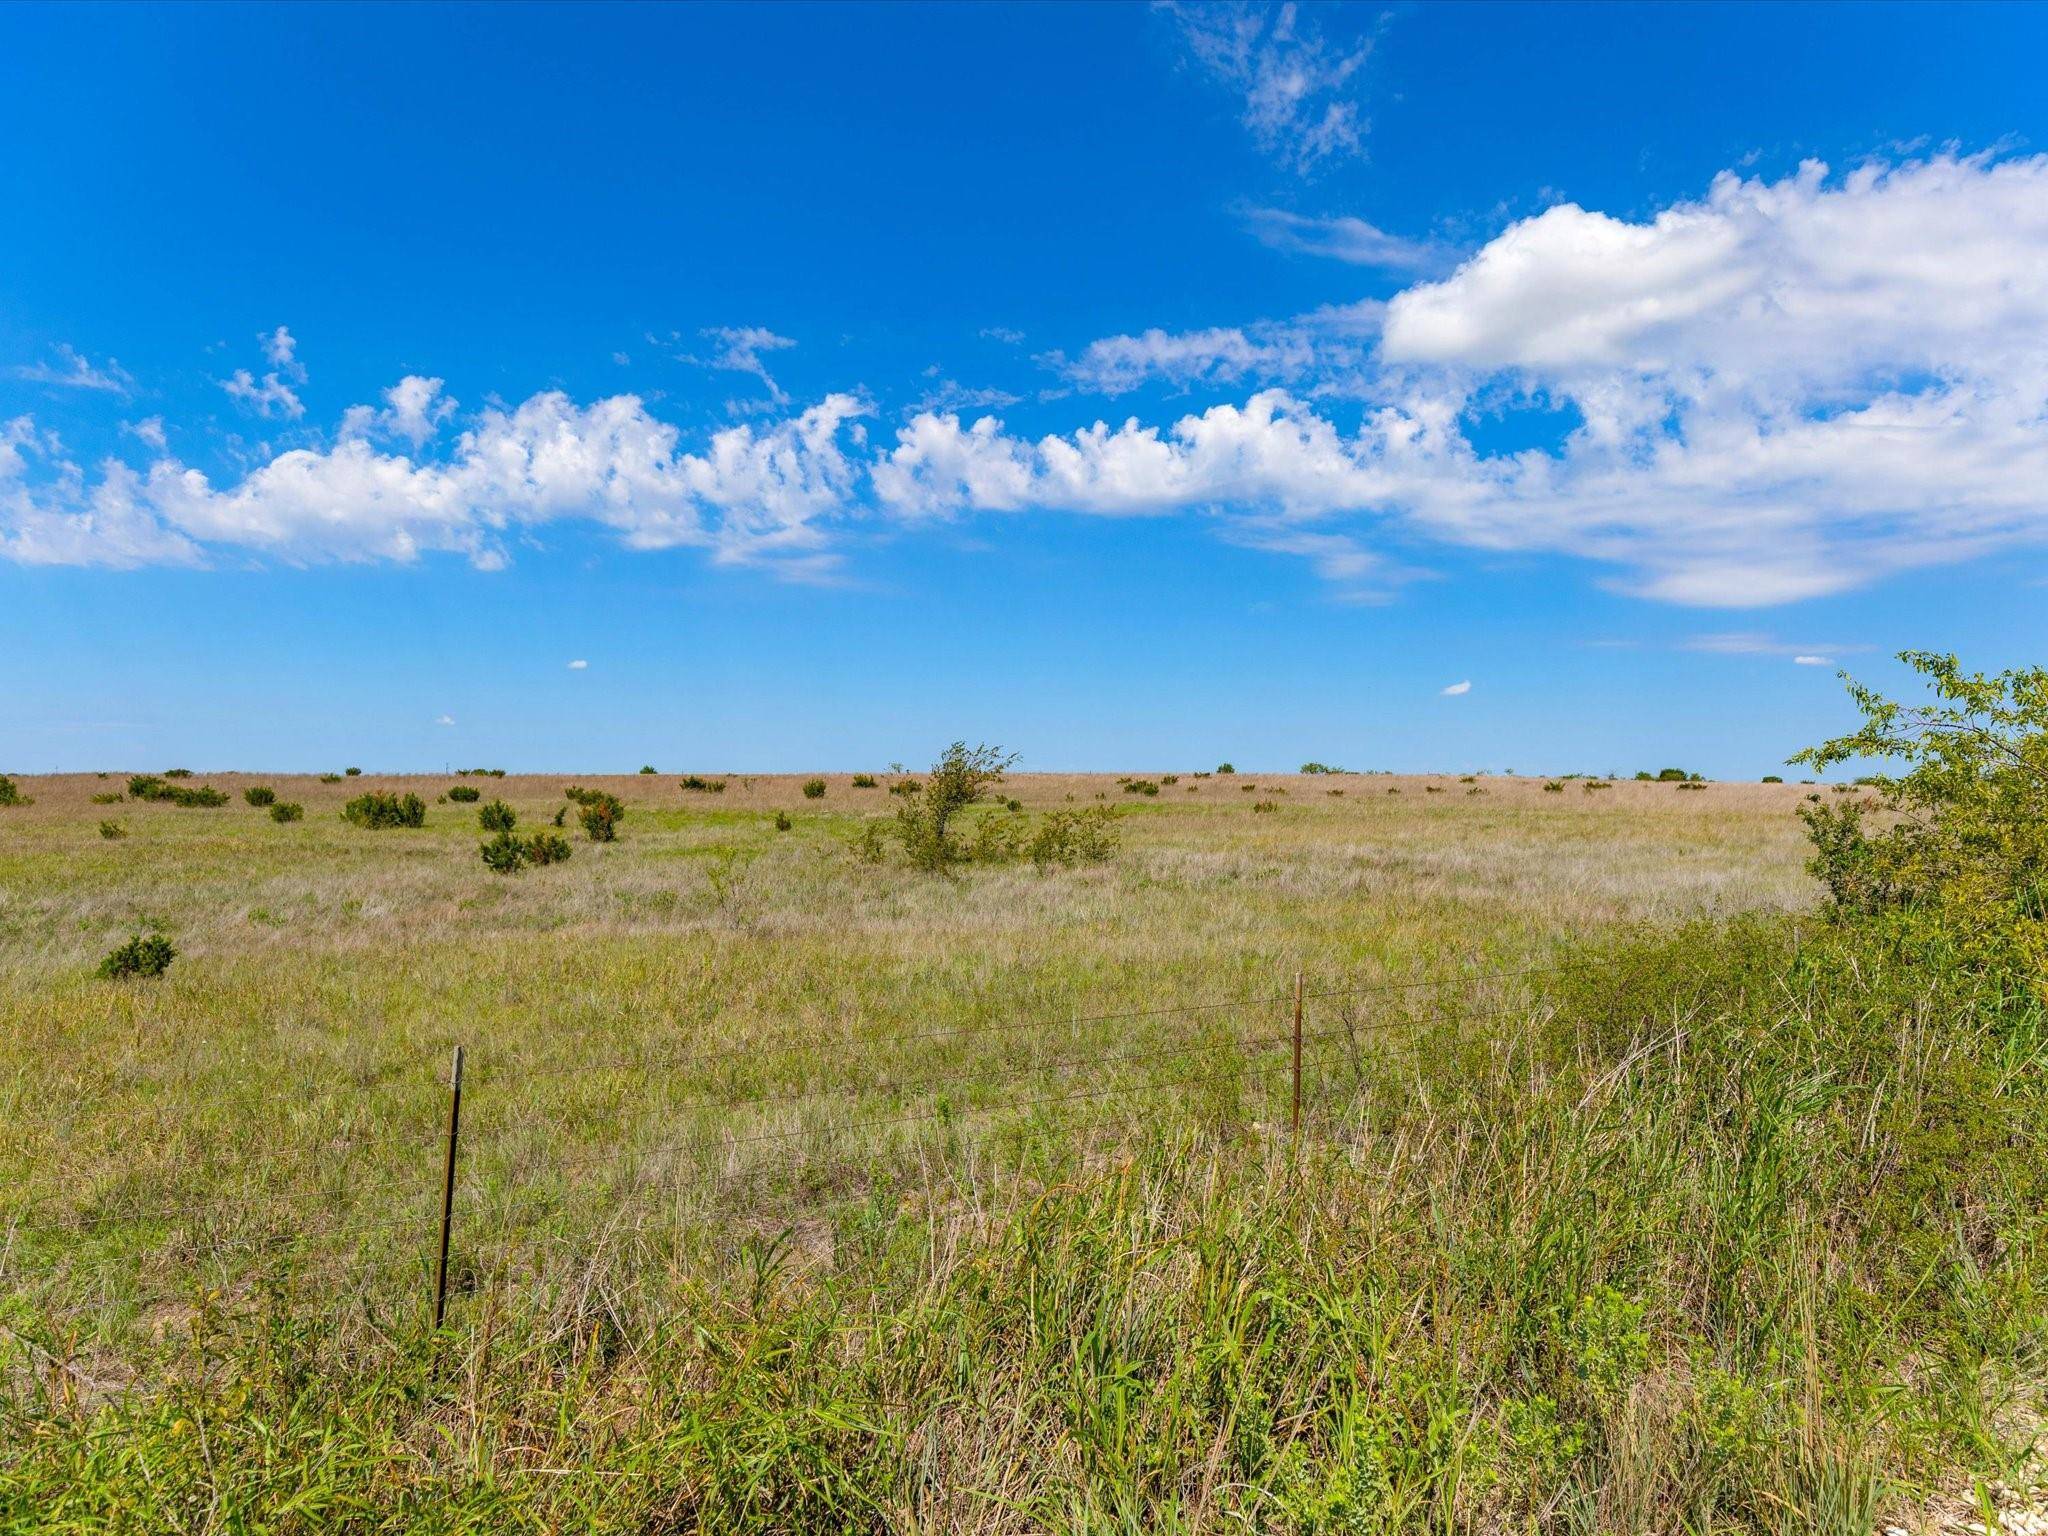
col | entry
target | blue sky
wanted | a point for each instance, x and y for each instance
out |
(1135, 387)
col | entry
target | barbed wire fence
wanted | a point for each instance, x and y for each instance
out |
(443, 1211)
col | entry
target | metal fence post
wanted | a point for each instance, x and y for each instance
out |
(448, 1188)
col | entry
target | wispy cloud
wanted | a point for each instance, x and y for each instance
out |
(271, 395)
(579, 666)
(739, 351)
(1002, 333)
(73, 370)
(1296, 85)
(1457, 690)
(1752, 643)
(1344, 239)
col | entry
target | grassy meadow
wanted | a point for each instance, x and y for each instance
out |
(804, 1192)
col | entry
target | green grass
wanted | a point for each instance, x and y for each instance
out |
(1714, 1227)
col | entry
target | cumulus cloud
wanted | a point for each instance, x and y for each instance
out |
(1295, 84)
(1344, 239)
(414, 409)
(749, 497)
(1456, 689)
(579, 666)
(267, 397)
(73, 370)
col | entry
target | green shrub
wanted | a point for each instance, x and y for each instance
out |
(148, 786)
(382, 808)
(1772, 778)
(287, 810)
(814, 789)
(260, 795)
(1315, 768)
(177, 773)
(1553, 786)
(465, 794)
(863, 781)
(10, 792)
(600, 814)
(1267, 806)
(144, 955)
(545, 848)
(330, 778)
(505, 853)
(906, 788)
(958, 779)
(1141, 787)
(112, 829)
(497, 816)
(647, 768)
(782, 821)
(1223, 768)
(352, 772)
(1074, 837)
(867, 843)
(110, 798)
(704, 786)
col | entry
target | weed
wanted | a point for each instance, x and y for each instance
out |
(112, 829)
(110, 797)
(1553, 787)
(1265, 806)
(782, 821)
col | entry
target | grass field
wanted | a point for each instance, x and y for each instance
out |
(799, 1192)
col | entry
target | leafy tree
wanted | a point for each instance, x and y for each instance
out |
(1961, 836)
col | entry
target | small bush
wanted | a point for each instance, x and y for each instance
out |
(497, 817)
(505, 853)
(286, 810)
(782, 821)
(1772, 778)
(1222, 768)
(260, 795)
(1247, 789)
(330, 778)
(381, 808)
(545, 848)
(1141, 787)
(1074, 837)
(906, 788)
(177, 773)
(147, 786)
(353, 772)
(465, 794)
(600, 814)
(1169, 778)
(1592, 784)
(863, 781)
(814, 789)
(647, 768)
(112, 829)
(143, 955)
(1553, 787)
(867, 845)
(1692, 784)
(1313, 767)
(704, 786)
(1267, 806)
(108, 799)
(10, 792)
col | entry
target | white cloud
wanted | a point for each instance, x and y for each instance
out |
(444, 719)
(1294, 83)
(75, 371)
(579, 666)
(751, 496)
(150, 431)
(414, 409)
(950, 395)
(267, 397)
(1324, 349)
(1456, 690)
(1813, 661)
(1752, 643)
(740, 349)
(1002, 333)
(1343, 239)
(280, 350)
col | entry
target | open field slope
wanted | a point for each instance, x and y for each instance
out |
(799, 1191)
